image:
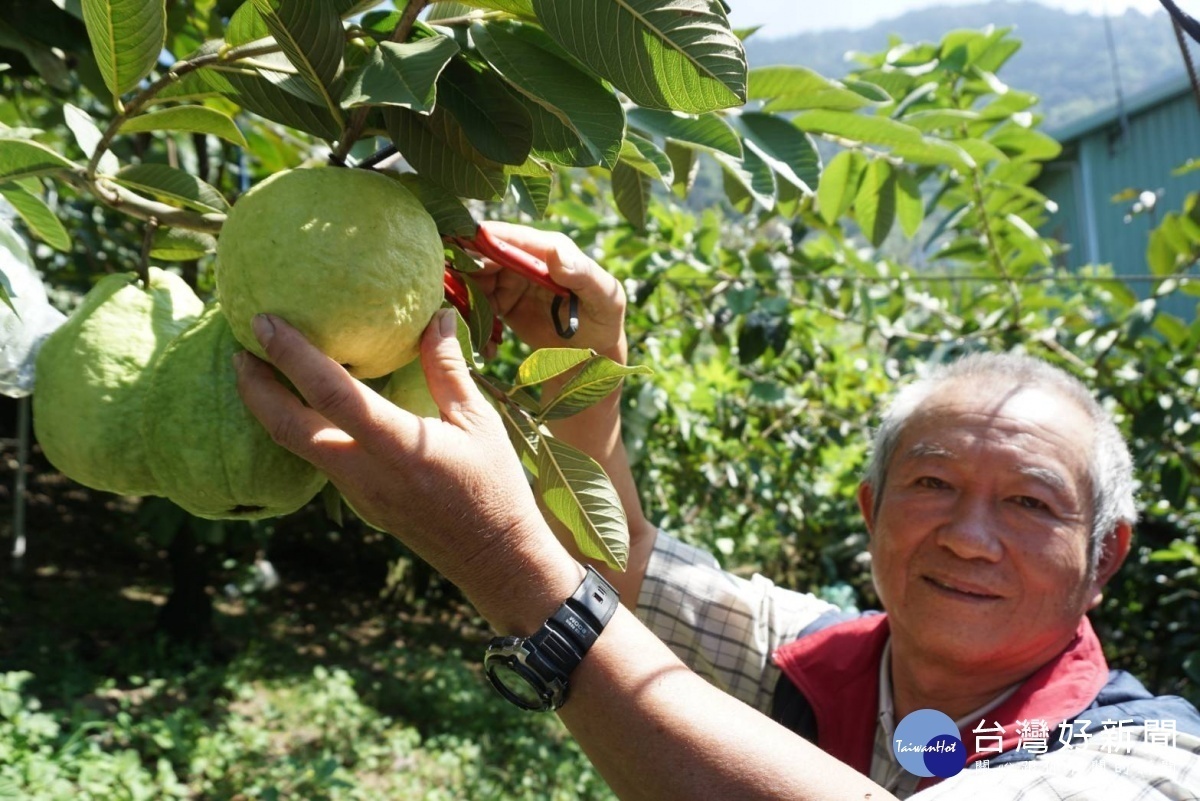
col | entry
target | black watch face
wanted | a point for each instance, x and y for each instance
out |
(516, 686)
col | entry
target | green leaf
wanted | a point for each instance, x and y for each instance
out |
(935, 152)
(532, 193)
(463, 334)
(858, 127)
(88, 136)
(127, 37)
(752, 174)
(192, 86)
(276, 68)
(172, 186)
(873, 92)
(180, 244)
(246, 25)
(522, 433)
(311, 36)
(38, 217)
(685, 164)
(260, 96)
(402, 75)
(1191, 165)
(192, 119)
(532, 167)
(546, 363)
(569, 100)
(788, 151)
(644, 156)
(981, 151)
(437, 148)
(737, 191)
(875, 204)
(577, 491)
(348, 8)
(448, 212)
(1161, 257)
(21, 158)
(594, 382)
(1175, 482)
(631, 193)
(940, 119)
(333, 503)
(708, 132)
(1023, 144)
(839, 184)
(799, 89)
(680, 55)
(497, 124)
(7, 132)
(479, 325)
(910, 206)
(48, 63)
(518, 8)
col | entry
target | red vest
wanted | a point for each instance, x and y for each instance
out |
(837, 671)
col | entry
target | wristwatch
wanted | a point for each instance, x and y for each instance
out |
(532, 672)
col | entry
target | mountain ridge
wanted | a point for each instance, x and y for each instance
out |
(1064, 58)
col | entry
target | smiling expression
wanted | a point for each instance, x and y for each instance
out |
(979, 547)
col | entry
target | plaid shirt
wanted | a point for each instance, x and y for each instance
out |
(725, 628)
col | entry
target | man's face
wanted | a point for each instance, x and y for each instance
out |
(980, 542)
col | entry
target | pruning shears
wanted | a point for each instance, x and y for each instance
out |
(521, 262)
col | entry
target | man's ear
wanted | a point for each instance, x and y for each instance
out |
(866, 505)
(1112, 556)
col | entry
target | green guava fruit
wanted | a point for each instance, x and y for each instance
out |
(347, 256)
(91, 379)
(407, 389)
(209, 454)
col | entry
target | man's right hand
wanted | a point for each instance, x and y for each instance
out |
(526, 308)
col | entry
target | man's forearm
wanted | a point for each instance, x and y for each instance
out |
(597, 432)
(657, 731)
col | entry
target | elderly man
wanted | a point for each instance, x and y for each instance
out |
(999, 502)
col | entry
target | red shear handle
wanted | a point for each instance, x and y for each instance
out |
(460, 298)
(514, 258)
(533, 268)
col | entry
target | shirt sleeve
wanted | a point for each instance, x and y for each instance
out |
(1122, 765)
(722, 626)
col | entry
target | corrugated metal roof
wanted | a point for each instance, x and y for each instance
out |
(1142, 101)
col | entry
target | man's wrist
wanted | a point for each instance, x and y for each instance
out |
(527, 592)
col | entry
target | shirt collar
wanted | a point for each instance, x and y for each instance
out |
(887, 708)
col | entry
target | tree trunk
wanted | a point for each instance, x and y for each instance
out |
(187, 616)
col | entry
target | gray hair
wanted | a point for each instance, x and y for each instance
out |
(1110, 466)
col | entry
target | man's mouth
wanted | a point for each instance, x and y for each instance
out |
(962, 590)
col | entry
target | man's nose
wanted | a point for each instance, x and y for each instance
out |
(972, 530)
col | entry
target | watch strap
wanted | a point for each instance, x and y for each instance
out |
(583, 616)
(549, 656)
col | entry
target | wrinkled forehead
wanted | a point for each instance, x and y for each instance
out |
(1043, 420)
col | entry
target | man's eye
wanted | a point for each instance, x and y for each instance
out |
(1028, 502)
(929, 482)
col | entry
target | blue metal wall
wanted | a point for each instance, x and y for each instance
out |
(1103, 157)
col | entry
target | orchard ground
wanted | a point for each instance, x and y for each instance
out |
(328, 686)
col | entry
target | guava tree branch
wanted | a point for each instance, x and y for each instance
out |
(358, 117)
(988, 234)
(179, 69)
(117, 197)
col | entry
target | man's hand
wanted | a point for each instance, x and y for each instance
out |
(451, 489)
(525, 307)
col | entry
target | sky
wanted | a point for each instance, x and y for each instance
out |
(784, 17)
